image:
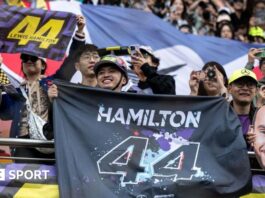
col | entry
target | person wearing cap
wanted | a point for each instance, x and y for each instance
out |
(242, 86)
(111, 73)
(35, 88)
(256, 35)
(145, 66)
(15, 109)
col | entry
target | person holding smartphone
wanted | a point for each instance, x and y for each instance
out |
(259, 54)
(145, 66)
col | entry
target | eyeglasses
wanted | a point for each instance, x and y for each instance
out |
(90, 57)
(248, 83)
(26, 58)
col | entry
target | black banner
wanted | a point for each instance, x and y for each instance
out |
(128, 145)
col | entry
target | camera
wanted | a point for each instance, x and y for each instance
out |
(210, 73)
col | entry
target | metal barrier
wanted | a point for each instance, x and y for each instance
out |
(26, 142)
(16, 142)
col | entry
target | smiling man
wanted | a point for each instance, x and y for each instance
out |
(242, 86)
(259, 130)
(111, 73)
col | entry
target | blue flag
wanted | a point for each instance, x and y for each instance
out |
(179, 53)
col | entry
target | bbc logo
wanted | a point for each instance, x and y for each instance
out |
(2, 174)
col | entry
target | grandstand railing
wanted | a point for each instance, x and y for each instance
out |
(16, 142)
(30, 143)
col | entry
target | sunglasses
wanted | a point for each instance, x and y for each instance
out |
(26, 58)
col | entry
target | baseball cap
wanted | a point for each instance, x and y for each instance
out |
(256, 31)
(240, 73)
(148, 50)
(223, 17)
(24, 56)
(114, 61)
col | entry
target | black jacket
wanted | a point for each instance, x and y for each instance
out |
(160, 84)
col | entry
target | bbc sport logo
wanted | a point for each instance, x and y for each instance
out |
(26, 174)
(2, 174)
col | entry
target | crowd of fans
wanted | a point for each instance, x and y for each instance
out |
(242, 20)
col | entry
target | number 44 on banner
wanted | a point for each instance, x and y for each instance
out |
(130, 160)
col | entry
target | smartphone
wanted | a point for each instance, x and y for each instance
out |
(133, 49)
(261, 54)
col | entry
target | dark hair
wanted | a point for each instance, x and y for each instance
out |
(223, 12)
(184, 13)
(186, 26)
(83, 49)
(220, 27)
(201, 90)
(259, 1)
(153, 58)
(44, 66)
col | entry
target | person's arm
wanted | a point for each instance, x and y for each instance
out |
(251, 57)
(194, 5)
(219, 4)
(79, 38)
(67, 69)
(194, 83)
(160, 84)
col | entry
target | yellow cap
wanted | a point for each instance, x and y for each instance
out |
(242, 73)
(256, 31)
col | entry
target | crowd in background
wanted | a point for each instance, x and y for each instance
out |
(242, 20)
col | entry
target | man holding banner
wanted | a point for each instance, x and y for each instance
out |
(123, 145)
(35, 45)
(111, 73)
